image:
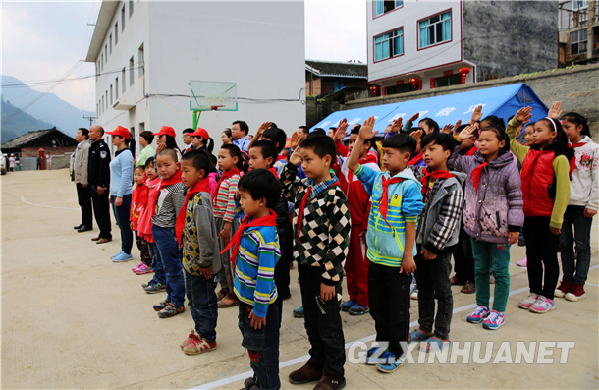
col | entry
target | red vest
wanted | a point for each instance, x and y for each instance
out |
(537, 176)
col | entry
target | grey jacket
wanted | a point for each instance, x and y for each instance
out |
(200, 246)
(80, 167)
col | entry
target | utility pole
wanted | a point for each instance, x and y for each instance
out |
(90, 119)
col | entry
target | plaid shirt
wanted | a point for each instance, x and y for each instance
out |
(325, 226)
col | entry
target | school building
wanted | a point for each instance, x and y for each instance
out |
(147, 52)
(426, 45)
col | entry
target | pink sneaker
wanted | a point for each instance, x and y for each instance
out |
(136, 268)
(521, 263)
(542, 305)
(144, 269)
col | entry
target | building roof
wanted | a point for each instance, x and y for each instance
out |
(25, 139)
(336, 69)
(103, 23)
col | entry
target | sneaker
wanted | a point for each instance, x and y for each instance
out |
(144, 285)
(299, 312)
(161, 305)
(369, 355)
(576, 292)
(357, 310)
(122, 257)
(414, 293)
(392, 363)
(479, 314)
(116, 254)
(563, 288)
(221, 294)
(189, 339)
(171, 310)
(155, 288)
(198, 346)
(345, 306)
(144, 270)
(494, 320)
(542, 305)
(521, 263)
(528, 301)
(134, 269)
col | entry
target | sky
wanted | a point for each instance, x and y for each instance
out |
(45, 40)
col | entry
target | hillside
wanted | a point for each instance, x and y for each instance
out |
(50, 108)
(19, 124)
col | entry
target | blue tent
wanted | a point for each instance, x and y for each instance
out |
(502, 101)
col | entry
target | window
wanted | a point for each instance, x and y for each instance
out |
(107, 99)
(382, 7)
(110, 43)
(97, 112)
(579, 4)
(130, 8)
(400, 88)
(106, 53)
(101, 61)
(388, 45)
(116, 88)
(124, 80)
(434, 30)
(450, 80)
(97, 70)
(579, 41)
(102, 104)
(131, 71)
(111, 94)
(123, 19)
(116, 33)
(140, 58)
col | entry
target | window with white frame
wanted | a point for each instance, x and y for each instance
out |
(388, 45)
(579, 41)
(382, 7)
(434, 30)
(579, 4)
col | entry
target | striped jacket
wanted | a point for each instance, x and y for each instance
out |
(259, 252)
(224, 203)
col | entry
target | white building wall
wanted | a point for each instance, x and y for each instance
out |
(413, 60)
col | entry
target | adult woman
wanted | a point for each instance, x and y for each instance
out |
(202, 141)
(227, 137)
(145, 140)
(166, 139)
(121, 177)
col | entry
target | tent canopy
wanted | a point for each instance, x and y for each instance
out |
(502, 101)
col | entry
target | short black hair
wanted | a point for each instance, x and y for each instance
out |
(402, 142)
(430, 123)
(267, 149)
(304, 129)
(494, 120)
(199, 160)
(187, 131)
(276, 135)
(168, 151)
(321, 145)
(446, 141)
(317, 132)
(84, 132)
(150, 160)
(261, 183)
(500, 134)
(243, 126)
(234, 151)
(142, 167)
(147, 135)
(356, 130)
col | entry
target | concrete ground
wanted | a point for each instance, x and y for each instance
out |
(71, 318)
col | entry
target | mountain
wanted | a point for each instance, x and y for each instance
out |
(50, 108)
(19, 124)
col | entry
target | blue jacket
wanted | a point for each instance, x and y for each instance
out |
(386, 244)
(121, 173)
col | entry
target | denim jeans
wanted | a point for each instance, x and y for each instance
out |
(541, 249)
(489, 256)
(575, 219)
(202, 304)
(432, 279)
(157, 265)
(389, 299)
(262, 346)
(171, 258)
(122, 214)
(322, 321)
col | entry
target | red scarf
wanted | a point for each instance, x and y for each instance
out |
(280, 157)
(384, 204)
(573, 161)
(274, 172)
(435, 174)
(224, 177)
(176, 178)
(268, 220)
(471, 151)
(475, 175)
(577, 144)
(300, 213)
(415, 159)
(201, 186)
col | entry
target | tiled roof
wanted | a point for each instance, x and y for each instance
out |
(26, 138)
(336, 69)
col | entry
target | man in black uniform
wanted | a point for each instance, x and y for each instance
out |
(98, 177)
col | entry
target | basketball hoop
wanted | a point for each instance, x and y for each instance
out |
(215, 108)
(211, 96)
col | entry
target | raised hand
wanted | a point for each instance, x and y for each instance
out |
(397, 124)
(447, 129)
(366, 129)
(417, 134)
(414, 117)
(341, 130)
(458, 124)
(524, 114)
(556, 110)
(263, 127)
(476, 114)
(467, 132)
(294, 143)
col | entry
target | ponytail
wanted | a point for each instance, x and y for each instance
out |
(578, 120)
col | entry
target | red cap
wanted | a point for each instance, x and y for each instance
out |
(200, 133)
(121, 132)
(166, 131)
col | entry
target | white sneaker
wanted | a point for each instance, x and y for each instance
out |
(542, 305)
(528, 301)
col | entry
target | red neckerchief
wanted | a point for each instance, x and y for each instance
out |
(577, 144)
(224, 177)
(201, 186)
(435, 174)
(280, 157)
(274, 172)
(384, 203)
(176, 178)
(471, 151)
(300, 214)
(268, 220)
(573, 161)
(475, 175)
(415, 159)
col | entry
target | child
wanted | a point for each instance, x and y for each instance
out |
(321, 242)
(139, 199)
(356, 267)
(437, 235)
(144, 230)
(546, 192)
(581, 208)
(256, 251)
(168, 204)
(196, 231)
(390, 238)
(231, 164)
(492, 218)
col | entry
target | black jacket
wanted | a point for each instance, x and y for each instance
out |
(98, 164)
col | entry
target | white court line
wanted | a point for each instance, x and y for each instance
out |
(43, 205)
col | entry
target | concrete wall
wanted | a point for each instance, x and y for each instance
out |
(508, 38)
(577, 89)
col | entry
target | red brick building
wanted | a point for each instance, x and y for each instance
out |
(347, 80)
(52, 141)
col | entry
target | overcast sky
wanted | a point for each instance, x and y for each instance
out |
(44, 40)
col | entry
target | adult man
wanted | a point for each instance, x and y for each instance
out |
(98, 178)
(303, 132)
(80, 175)
(187, 141)
(240, 131)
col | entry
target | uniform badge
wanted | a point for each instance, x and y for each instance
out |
(103, 154)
